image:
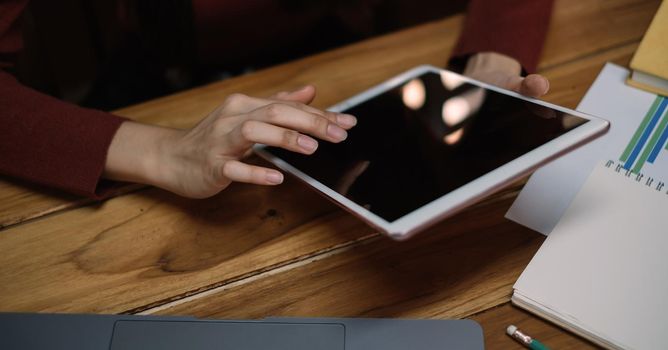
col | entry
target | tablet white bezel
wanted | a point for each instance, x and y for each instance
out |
(472, 192)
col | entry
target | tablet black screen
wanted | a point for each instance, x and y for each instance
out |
(420, 140)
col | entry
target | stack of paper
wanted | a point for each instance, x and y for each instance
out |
(603, 270)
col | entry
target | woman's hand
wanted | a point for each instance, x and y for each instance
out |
(504, 71)
(204, 160)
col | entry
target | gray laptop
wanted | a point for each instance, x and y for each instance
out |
(126, 332)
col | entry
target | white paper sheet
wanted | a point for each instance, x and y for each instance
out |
(550, 190)
(603, 271)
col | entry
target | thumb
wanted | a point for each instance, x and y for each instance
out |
(535, 85)
(513, 83)
(304, 95)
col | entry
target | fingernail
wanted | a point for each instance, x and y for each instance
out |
(547, 86)
(336, 132)
(274, 177)
(346, 120)
(307, 143)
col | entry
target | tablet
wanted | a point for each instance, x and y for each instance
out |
(429, 143)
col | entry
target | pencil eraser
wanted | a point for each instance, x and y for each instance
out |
(511, 329)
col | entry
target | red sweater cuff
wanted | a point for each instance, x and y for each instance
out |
(516, 28)
(54, 143)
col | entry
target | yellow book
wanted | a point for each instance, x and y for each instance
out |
(650, 62)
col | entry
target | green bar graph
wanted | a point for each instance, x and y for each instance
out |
(641, 129)
(652, 143)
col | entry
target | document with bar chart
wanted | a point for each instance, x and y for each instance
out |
(637, 142)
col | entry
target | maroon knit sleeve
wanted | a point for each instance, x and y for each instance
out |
(45, 140)
(516, 28)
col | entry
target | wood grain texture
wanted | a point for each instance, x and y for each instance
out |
(578, 28)
(21, 201)
(150, 247)
(465, 265)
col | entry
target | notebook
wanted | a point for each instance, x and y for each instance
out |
(650, 71)
(603, 271)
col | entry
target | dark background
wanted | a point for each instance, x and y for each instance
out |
(107, 54)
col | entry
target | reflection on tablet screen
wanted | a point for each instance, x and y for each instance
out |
(421, 140)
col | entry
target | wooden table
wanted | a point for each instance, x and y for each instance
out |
(252, 251)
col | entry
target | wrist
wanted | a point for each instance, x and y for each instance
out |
(141, 153)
